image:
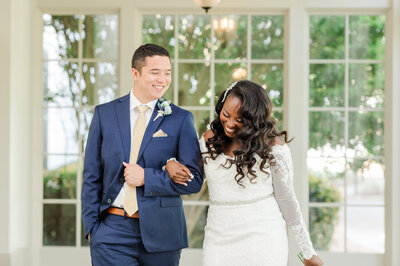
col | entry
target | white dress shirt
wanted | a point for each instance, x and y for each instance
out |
(134, 114)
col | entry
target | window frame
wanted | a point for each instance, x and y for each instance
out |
(346, 109)
(295, 99)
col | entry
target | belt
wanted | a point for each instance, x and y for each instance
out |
(121, 212)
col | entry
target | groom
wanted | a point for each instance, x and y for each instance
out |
(131, 209)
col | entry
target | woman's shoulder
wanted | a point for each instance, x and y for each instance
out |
(208, 134)
(278, 141)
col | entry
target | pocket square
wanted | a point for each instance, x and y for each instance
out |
(159, 133)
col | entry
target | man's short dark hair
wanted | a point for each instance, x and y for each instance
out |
(147, 50)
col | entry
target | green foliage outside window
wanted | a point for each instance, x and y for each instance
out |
(323, 220)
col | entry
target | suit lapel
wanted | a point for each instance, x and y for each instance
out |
(150, 130)
(123, 116)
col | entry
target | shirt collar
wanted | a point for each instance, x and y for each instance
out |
(134, 102)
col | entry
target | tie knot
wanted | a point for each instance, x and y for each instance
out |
(142, 108)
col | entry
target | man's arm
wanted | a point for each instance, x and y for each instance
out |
(92, 176)
(157, 181)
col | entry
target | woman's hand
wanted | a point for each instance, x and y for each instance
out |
(313, 261)
(178, 173)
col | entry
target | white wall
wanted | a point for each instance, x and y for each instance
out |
(15, 135)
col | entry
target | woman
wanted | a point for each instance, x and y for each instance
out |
(250, 179)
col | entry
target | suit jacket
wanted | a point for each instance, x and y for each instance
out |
(162, 220)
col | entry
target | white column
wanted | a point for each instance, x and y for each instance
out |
(5, 33)
(296, 102)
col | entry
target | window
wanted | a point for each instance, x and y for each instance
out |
(208, 54)
(346, 139)
(80, 55)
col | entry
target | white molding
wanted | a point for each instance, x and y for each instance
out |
(347, 259)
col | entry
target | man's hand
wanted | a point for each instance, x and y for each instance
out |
(134, 174)
(178, 173)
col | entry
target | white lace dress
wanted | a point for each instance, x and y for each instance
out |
(247, 226)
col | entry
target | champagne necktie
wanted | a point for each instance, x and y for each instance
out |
(130, 203)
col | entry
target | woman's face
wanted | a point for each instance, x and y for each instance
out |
(230, 116)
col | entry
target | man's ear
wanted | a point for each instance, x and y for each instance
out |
(135, 73)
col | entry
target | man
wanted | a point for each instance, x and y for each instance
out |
(132, 212)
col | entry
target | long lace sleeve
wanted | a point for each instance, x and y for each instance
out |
(282, 180)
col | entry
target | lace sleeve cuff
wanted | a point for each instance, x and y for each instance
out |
(303, 238)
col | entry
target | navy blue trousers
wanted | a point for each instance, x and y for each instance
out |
(117, 241)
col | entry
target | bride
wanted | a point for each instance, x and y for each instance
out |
(250, 179)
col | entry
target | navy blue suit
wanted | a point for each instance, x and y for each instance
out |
(161, 222)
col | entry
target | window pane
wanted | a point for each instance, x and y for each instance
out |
(327, 37)
(60, 130)
(230, 37)
(270, 77)
(327, 131)
(362, 236)
(366, 136)
(59, 224)
(267, 37)
(367, 38)
(84, 241)
(202, 195)
(60, 36)
(366, 88)
(327, 228)
(100, 83)
(194, 37)
(226, 74)
(169, 94)
(61, 84)
(100, 36)
(194, 85)
(159, 29)
(201, 121)
(86, 118)
(196, 221)
(325, 177)
(59, 176)
(327, 85)
(278, 115)
(365, 181)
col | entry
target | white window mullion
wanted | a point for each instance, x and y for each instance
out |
(346, 122)
(249, 61)
(80, 107)
(176, 61)
(212, 70)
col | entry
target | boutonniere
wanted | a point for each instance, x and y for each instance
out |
(164, 107)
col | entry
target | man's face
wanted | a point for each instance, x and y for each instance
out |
(153, 79)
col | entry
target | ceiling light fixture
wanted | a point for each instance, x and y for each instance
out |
(206, 4)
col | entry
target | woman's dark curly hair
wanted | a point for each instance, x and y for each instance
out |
(257, 135)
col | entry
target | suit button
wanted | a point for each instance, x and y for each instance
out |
(121, 180)
(109, 201)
